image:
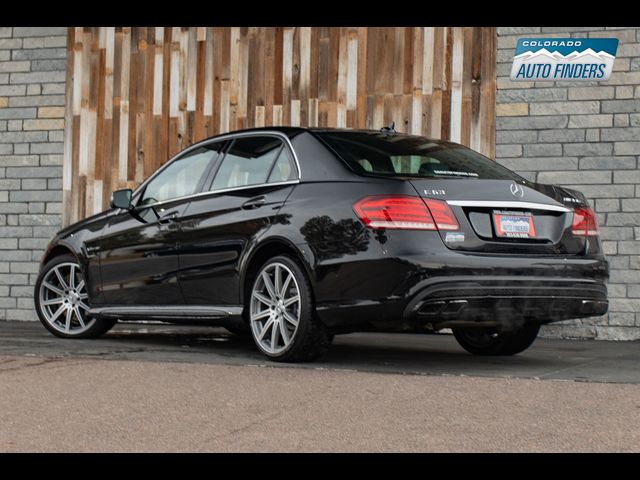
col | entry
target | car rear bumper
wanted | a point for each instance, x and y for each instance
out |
(494, 293)
(463, 301)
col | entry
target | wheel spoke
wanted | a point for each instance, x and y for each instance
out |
(80, 286)
(262, 298)
(52, 288)
(72, 277)
(260, 315)
(291, 319)
(52, 301)
(76, 310)
(278, 280)
(60, 279)
(285, 334)
(274, 335)
(83, 305)
(291, 301)
(269, 323)
(67, 325)
(268, 285)
(283, 291)
(53, 318)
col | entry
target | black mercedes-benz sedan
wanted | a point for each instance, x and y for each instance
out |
(293, 235)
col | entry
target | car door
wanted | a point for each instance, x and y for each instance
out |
(138, 258)
(251, 183)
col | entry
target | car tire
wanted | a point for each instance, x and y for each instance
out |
(61, 301)
(489, 342)
(282, 316)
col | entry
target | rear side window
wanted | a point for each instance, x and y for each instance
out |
(411, 156)
(284, 168)
(248, 161)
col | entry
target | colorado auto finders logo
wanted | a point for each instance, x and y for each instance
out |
(574, 59)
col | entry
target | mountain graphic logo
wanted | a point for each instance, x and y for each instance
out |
(570, 59)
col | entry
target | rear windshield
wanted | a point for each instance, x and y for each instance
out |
(411, 156)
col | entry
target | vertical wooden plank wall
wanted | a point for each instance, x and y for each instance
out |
(136, 96)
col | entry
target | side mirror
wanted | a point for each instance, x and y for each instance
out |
(121, 199)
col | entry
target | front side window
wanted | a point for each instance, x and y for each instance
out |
(249, 161)
(182, 177)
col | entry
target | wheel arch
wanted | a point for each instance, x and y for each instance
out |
(57, 250)
(268, 249)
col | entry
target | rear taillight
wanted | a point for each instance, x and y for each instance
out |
(442, 214)
(405, 212)
(584, 222)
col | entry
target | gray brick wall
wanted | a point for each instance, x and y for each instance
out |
(585, 136)
(32, 75)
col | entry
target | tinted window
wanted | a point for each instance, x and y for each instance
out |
(284, 168)
(411, 156)
(181, 178)
(247, 162)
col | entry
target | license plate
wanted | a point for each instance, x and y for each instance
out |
(510, 225)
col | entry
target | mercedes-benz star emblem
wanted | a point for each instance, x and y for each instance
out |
(517, 190)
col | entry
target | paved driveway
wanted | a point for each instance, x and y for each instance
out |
(160, 388)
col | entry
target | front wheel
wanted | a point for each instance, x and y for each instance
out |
(483, 341)
(281, 314)
(62, 301)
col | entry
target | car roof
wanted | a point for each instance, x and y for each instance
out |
(293, 131)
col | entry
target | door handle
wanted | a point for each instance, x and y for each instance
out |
(168, 218)
(256, 202)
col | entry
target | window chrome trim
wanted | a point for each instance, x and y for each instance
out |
(499, 204)
(224, 137)
(221, 190)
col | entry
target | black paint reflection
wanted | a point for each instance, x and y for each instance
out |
(331, 239)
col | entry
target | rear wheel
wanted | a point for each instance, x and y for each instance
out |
(62, 301)
(482, 341)
(281, 314)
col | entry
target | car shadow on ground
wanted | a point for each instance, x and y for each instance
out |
(397, 353)
(366, 352)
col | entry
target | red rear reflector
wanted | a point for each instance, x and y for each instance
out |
(584, 222)
(405, 212)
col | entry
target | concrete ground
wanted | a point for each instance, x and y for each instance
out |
(165, 388)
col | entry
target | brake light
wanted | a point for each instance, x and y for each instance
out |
(584, 222)
(442, 214)
(405, 212)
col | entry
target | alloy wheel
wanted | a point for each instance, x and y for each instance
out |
(275, 308)
(63, 299)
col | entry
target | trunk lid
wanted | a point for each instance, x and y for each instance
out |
(504, 216)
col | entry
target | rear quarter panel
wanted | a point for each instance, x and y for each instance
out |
(347, 261)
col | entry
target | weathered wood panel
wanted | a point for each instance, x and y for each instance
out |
(136, 96)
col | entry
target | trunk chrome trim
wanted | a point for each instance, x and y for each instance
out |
(501, 204)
